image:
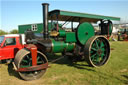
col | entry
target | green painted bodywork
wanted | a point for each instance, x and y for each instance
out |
(60, 46)
(110, 29)
(62, 33)
(84, 32)
(23, 28)
(67, 45)
(86, 15)
(77, 16)
(70, 37)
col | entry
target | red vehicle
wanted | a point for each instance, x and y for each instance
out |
(9, 45)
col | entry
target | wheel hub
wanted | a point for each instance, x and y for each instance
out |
(99, 51)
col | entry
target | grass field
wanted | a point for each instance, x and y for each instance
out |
(63, 72)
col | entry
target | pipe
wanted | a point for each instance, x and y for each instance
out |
(45, 20)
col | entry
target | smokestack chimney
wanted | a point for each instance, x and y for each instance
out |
(45, 20)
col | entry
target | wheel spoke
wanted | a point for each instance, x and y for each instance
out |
(27, 56)
(102, 55)
(94, 49)
(25, 61)
(97, 58)
(30, 63)
(93, 57)
(40, 62)
(91, 51)
(101, 44)
(93, 45)
(38, 58)
(102, 49)
(96, 43)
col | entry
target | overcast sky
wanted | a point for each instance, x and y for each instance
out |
(18, 12)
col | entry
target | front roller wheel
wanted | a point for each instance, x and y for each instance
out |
(23, 59)
(97, 51)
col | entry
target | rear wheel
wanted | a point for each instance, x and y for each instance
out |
(23, 59)
(97, 51)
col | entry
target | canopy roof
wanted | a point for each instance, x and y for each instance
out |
(78, 17)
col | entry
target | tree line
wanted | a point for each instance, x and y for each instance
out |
(14, 31)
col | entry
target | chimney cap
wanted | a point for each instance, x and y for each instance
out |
(45, 3)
